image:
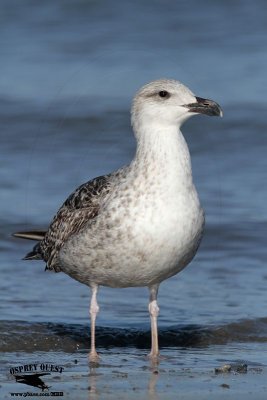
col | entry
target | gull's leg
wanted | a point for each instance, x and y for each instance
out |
(154, 312)
(94, 308)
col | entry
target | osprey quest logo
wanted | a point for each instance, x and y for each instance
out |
(34, 375)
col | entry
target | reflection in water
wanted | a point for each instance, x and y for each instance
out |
(92, 388)
(97, 385)
(152, 388)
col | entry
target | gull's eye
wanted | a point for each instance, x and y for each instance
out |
(164, 93)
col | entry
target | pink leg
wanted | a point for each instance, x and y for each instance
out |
(154, 312)
(93, 356)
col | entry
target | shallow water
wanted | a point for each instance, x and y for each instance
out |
(69, 70)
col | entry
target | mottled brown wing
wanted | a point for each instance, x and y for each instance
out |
(81, 206)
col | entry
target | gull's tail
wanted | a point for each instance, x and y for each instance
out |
(32, 235)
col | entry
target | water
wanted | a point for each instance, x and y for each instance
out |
(68, 72)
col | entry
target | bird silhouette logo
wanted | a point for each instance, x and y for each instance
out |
(33, 380)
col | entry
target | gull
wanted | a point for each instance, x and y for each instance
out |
(141, 224)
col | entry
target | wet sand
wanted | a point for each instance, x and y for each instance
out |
(126, 373)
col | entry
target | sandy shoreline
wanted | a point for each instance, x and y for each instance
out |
(130, 376)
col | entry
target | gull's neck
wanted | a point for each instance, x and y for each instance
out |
(162, 152)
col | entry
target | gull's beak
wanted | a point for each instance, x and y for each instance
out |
(205, 106)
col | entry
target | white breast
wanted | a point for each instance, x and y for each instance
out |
(150, 227)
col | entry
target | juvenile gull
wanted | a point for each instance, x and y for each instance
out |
(141, 224)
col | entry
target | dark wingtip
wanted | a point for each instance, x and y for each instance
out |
(32, 255)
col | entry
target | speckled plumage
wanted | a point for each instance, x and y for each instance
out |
(82, 205)
(143, 223)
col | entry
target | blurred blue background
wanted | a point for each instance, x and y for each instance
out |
(69, 70)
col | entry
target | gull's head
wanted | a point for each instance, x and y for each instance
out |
(167, 102)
